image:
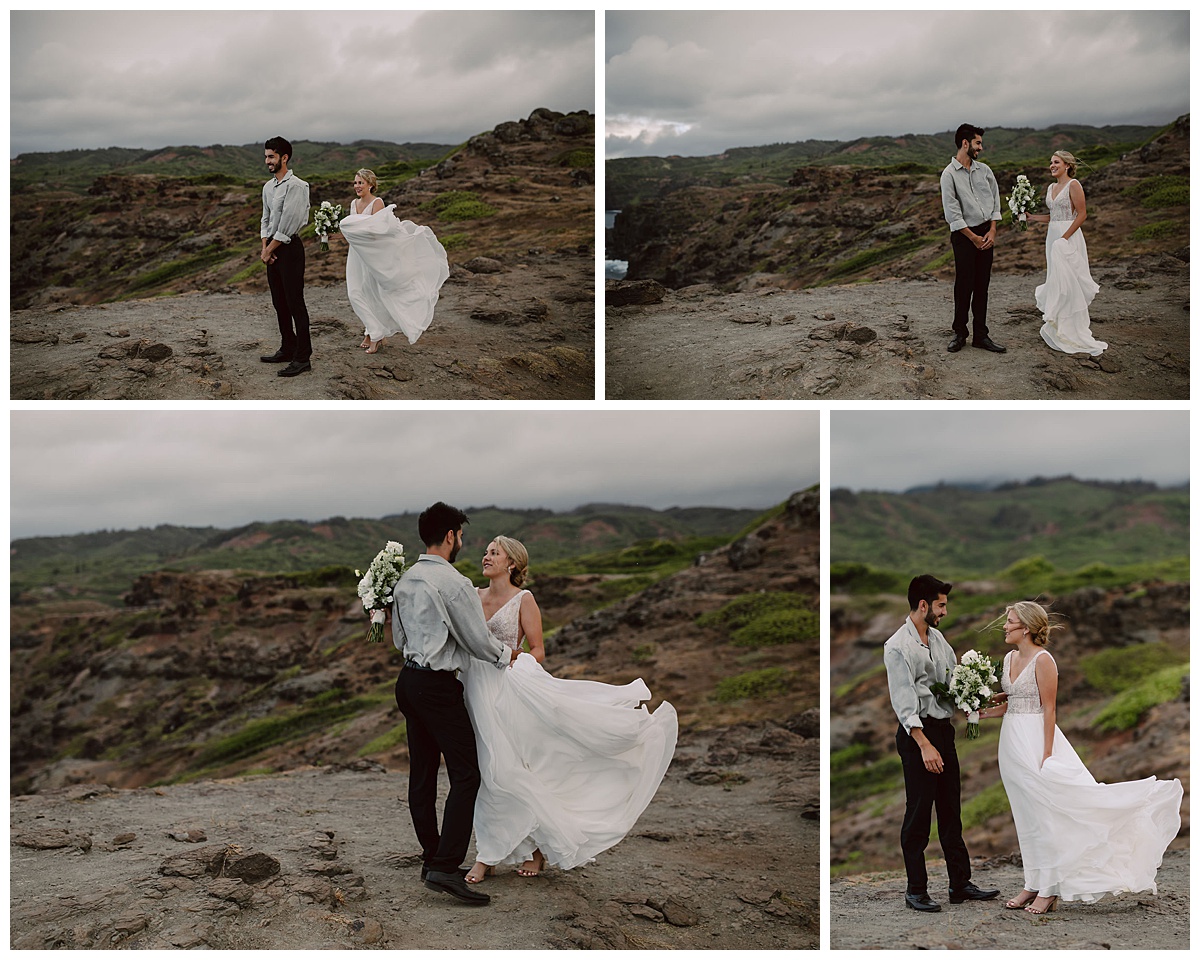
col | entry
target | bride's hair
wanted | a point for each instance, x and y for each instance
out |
(517, 553)
(1035, 619)
(370, 177)
(1070, 160)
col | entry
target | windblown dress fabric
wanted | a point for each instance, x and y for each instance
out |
(1069, 288)
(1080, 839)
(567, 766)
(394, 271)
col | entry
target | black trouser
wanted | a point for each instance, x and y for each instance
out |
(285, 277)
(922, 792)
(438, 726)
(972, 274)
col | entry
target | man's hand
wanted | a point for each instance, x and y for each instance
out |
(931, 758)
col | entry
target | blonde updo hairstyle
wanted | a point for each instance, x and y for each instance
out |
(370, 178)
(1035, 619)
(518, 555)
(1069, 159)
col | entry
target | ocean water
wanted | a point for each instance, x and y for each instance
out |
(613, 269)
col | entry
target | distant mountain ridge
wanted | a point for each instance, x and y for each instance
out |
(632, 178)
(103, 563)
(958, 532)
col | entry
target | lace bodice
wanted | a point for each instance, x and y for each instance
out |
(505, 623)
(1060, 207)
(1023, 696)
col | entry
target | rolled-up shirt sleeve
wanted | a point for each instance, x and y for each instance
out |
(951, 208)
(294, 213)
(902, 689)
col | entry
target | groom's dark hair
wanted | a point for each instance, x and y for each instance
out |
(439, 520)
(280, 146)
(927, 588)
(966, 131)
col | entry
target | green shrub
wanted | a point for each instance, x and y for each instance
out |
(1159, 230)
(458, 205)
(1115, 671)
(1172, 196)
(452, 241)
(386, 741)
(778, 627)
(743, 610)
(848, 757)
(847, 786)
(1127, 709)
(755, 685)
(578, 158)
(644, 653)
(862, 578)
(989, 802)
(1029, 569)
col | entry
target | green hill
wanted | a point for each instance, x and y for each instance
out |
(957, 532)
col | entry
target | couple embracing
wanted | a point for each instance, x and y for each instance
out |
(1079, 839)
(971, 205)
(549, 771)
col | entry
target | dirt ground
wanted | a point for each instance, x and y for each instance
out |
(887, 341)
(725, 857)
(867, 911)
(525, 332)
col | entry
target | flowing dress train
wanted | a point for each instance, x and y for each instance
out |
(1069, 288)
(567, 766)
(394, 270)
(1079, 839)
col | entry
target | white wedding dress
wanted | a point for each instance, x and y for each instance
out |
(394, 271)
(567, 766)
(1079, 839)
(1069, 288)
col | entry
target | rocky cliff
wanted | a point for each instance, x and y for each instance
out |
(847, 223)
(216, 673)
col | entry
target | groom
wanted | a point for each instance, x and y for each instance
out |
(439, 626)
(971, 204)
(285, 211)
(917, 656)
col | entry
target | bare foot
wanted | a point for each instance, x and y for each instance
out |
(478, 872)
(1042, 905)
(1022, 898)
(533, 866)
(375, 344)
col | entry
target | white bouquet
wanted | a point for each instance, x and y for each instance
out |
(376, 586)
(326, 220)
(1022, 199)
(971, 685)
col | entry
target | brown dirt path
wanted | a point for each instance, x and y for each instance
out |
(887, 341)
(867, 912)
(526, 332)
(726, 857)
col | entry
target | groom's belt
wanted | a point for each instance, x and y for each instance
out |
(937, 720)
(413, 665)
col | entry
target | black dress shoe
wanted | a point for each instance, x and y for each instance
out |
(462, 872)
(456, 886)
(294, 368)
(277, 357)
(956, 344)
(921, 901)
(987, 343)
(972, 892)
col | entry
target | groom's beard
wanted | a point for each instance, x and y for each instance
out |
(932, 619)
(454, 551)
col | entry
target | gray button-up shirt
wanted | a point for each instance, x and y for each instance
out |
(969, 197)
(285, 207)
(912, 668)
(438, 618)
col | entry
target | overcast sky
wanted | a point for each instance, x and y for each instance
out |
(76, 472)
(695, 84)
(898, 450)
(154, 79)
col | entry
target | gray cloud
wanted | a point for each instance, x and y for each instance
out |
(151, 79)
(897, 450)
(697, 83)
(79, 471)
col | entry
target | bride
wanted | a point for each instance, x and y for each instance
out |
(1079, 839)
(567, 766)
(394, 269)
(1069, 287)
